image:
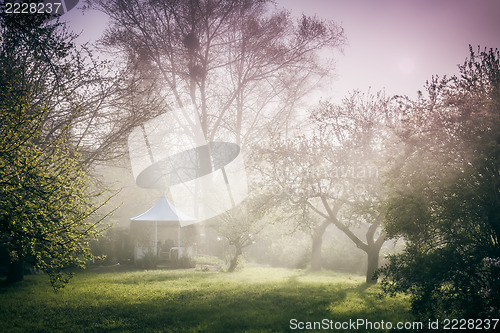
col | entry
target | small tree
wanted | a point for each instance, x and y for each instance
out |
(242, 224)
(237, 229)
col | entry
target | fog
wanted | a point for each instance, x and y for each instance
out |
(249, 161)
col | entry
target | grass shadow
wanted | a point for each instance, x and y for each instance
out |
(186, 301)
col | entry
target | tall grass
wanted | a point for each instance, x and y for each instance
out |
(252, 300)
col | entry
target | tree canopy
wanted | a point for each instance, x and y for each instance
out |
(243, 65)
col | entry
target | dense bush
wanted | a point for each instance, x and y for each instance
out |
(445, 196)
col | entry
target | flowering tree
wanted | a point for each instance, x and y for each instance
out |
(332, 175)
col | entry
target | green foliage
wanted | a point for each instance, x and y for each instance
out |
(44, 197)
(250, 300)
(114, 246)
(445, 196)
(46, 204)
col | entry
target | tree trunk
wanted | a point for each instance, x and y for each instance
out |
(373, 258)
(234, 260)
(15, 272)
(317, 242)
(316, 260)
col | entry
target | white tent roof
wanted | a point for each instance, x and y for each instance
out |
(164, 211)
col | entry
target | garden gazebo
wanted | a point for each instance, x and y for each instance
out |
(166, 213)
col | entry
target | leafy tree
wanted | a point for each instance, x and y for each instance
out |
(47, 203)
(75, 87)
(444, 195)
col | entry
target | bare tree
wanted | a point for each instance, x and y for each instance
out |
(243, 65)
(241, 224)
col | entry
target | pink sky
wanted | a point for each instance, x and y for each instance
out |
(399, 44)
(394, 45)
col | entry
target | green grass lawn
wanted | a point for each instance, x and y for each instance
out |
(251, 300)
